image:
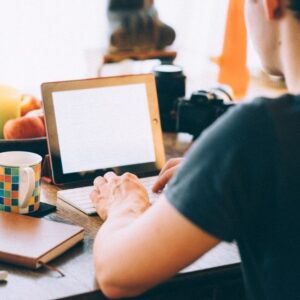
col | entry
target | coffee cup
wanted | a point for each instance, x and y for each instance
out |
(20, 181)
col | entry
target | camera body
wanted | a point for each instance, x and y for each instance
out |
(193, 115)
(201, 110)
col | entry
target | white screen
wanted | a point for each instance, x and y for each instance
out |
(103, 127)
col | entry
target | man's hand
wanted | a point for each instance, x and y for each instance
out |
(114, 194)
(166, 174)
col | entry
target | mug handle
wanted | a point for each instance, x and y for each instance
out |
(28, 179)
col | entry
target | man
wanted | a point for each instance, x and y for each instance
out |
(240, 181)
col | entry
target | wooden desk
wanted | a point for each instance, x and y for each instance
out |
(77, 265)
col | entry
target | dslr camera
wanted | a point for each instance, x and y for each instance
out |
(191, 115)
(201, 110)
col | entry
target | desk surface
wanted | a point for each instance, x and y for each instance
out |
(77, 263)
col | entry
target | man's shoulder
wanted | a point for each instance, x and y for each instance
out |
(275, 106)
(247, 128)
(240, 123)
(279, 114)
(250, 126)
(260, 114)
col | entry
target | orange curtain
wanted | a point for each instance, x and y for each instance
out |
(233, 61)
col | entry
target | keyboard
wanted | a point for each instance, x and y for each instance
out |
(80, 197)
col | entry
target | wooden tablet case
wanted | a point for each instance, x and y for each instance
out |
(53, 143)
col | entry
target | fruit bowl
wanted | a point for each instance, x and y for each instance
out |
(36, 145)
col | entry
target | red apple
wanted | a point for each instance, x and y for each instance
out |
(24, 128)
(37, 113)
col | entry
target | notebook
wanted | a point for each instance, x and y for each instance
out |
(100, 125)
(32, 242)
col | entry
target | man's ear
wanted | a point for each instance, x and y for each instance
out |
(273, 9)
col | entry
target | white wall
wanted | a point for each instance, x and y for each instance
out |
(46, 40)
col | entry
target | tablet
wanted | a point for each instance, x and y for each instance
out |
(103, 124)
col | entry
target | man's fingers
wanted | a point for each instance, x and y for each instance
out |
(109, 176)
(128, 175)
(99, 181)
(170, 164)
(163, 179)
(93, 196)
(166, 173)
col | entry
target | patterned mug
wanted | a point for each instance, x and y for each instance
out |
(20, 181)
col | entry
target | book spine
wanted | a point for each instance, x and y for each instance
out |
(18, 260)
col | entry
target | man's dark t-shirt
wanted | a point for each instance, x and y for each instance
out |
(241, 181)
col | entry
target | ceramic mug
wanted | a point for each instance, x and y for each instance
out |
(20, 181)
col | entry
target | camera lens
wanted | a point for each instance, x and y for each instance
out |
(168, 70)
(170, 84)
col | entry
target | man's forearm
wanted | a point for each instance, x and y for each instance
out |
(111, 268)
(134, 251)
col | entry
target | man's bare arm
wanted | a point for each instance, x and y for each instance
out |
(135, 250)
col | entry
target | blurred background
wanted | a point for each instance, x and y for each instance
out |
(51, 40)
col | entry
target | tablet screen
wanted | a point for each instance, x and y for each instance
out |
(103, 127)
(103, 124)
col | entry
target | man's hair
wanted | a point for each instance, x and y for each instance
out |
(295, 7)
